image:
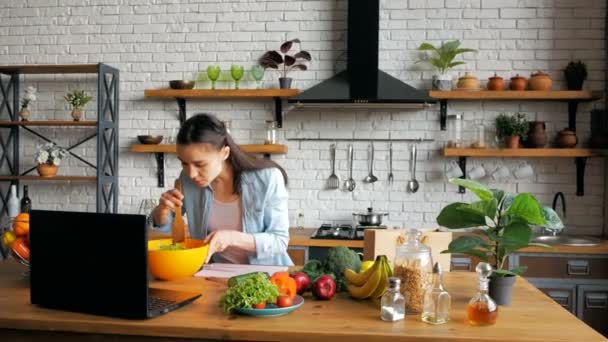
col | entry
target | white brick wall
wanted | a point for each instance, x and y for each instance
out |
(173, 39)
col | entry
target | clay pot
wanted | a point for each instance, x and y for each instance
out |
(512, 141)
(536, 135)
(496, 83)
(77, 114)
(566, 138)
(540, 81)
(518, 82)
(47, 170)
(468, 82)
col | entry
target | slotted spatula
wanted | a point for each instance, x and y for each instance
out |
(178, 229)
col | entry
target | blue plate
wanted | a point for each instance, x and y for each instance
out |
(271, 310)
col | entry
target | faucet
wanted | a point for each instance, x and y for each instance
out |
(555, 198)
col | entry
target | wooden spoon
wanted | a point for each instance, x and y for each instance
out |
(178, 229)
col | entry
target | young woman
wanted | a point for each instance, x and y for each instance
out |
(236, 203)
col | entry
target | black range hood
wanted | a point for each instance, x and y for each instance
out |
(362, 84)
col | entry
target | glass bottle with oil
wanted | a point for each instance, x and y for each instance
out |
(436, 308)
(482, 310)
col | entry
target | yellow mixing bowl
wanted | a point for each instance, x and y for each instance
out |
(175, 264)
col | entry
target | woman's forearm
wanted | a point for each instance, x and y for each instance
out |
(244, 241)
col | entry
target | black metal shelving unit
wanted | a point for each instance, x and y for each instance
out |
(106, 130)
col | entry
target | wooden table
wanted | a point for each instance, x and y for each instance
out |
(532, 317)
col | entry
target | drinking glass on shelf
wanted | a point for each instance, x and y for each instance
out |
(213, 73)
(237, 72)
(257, 72)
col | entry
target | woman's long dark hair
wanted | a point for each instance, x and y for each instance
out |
(207, 129)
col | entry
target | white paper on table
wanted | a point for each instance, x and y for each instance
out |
(220, 270)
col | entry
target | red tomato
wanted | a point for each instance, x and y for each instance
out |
(259, 306)
(284, 301)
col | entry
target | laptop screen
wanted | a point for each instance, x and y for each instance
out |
(89, 262)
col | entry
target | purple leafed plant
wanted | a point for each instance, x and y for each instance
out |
(274, 59)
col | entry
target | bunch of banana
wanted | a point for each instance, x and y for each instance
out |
(370, 283)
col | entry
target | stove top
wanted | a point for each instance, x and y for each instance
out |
(342, 232)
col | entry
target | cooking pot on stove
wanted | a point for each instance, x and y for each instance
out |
(369, 218)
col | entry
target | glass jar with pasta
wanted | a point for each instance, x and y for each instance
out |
(413, 265)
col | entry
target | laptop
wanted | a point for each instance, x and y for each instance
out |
(95, 263)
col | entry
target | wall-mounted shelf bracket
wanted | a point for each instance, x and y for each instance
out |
(160, 168)
(462, 162)
(181, 103)
(581, 162)
(443, 112)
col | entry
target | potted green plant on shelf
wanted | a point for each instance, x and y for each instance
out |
(576, 74)
(48, 157)
(77, 99)
(503, 225)
(442, 60)
(512, 128)
(29, 96)
(284, 62)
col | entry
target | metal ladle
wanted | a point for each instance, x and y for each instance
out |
(412, 184)
(370, 177)
(350, 183)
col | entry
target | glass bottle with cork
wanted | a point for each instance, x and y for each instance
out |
(437, 301)
(413, 265)
(482, 310)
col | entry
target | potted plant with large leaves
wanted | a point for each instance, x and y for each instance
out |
(443, 60)
(502, 223)
(284, 62)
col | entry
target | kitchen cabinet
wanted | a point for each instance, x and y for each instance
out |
(577, 282)
(592, 306)
(466, 263)
(298, 254)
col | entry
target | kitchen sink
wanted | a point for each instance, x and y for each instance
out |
(567, 240)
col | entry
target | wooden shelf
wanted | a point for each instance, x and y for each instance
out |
(525, 95)
(48, 123)
(572, 97)
(521, 152)
(253, 148)
(580, 156)
(249, 94)
(160, 150)
(50, 69)
(56, 178)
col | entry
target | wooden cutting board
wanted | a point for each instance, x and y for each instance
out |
(384, 242)
(178, 229)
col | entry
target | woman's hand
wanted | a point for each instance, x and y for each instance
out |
(167, 203)
(220, 240)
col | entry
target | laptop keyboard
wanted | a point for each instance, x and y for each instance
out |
(157, 303)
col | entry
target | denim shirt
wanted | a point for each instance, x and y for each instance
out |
(264, 201)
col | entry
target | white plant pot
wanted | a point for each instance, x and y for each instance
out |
(442, 82)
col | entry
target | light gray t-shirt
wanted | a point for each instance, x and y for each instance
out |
(228, 216)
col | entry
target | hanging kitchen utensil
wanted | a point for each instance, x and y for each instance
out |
(350, 182)
(370, 177)
(390, 163)
(413, 185)
(333, 182)
(178, 228)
